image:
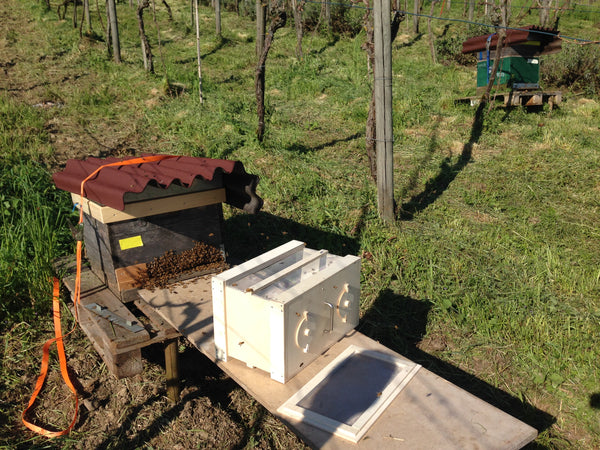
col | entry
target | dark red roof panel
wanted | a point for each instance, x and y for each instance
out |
(513, 37)
(110, 184)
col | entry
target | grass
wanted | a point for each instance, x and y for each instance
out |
(492, 276)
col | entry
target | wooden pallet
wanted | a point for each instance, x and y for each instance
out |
(119, 347)
(519, 98)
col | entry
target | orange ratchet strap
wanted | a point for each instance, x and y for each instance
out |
(56, 314)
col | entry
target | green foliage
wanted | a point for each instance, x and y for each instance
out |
(33, 232)
(576, 67)
(33, 228)
(449, 49)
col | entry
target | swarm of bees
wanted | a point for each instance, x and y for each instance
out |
(167, 268)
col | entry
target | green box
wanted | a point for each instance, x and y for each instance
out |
(512, 69)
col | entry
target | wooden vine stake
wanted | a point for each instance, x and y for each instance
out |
(218, 17)
(383, 109)
(198, 51)
(430, 32)
(113, 27)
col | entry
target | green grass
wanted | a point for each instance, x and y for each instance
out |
(497, 253)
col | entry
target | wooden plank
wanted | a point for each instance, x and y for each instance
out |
(121, 365)
(115, 338)
(106, 214)
(127, 276)
(164, 330)
(429, 413)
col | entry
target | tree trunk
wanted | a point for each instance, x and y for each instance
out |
(192, 3)
(501, 31)
(74, 13)
(297, 11)
(545, 13)
(109, 48)
(278, 21)
(471, 9)
(114, 30)
(169, 12)
(87, 16)
(197, 21)
(146, 50)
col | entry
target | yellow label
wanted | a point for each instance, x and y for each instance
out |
(132, 242)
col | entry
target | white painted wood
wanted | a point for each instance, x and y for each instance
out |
(356, 423)
(282, 309)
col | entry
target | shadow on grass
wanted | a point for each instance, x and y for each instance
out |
(400, 322)
(219, 43)
(301, 148)
(247, 236)
(410, 43)
(595, 400)
(436, 186)
(330, 43)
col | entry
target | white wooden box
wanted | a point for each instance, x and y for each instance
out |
(282, 309)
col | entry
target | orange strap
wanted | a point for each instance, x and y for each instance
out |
(56, 309)
(63, 369)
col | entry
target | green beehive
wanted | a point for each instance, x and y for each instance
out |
(512, 70)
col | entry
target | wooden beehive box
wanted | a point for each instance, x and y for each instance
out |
(154, 221)
(281, 310)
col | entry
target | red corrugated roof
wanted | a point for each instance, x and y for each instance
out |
(513, 37)
(111, 183)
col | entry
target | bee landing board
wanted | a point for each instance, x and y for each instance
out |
(281, 310)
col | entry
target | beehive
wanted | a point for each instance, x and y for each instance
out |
(138, 212)
(280, 310)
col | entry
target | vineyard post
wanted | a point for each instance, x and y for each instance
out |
(383, 109)
(114, 30)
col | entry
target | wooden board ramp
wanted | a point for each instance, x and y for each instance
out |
(429, 412)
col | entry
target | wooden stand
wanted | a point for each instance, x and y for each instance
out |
(119, 347)
(430, 412)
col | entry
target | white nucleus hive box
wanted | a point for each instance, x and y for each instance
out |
(282, 309)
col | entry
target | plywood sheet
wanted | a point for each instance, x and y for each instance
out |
(430, 412)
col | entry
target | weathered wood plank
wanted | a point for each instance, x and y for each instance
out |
(429, 413)
(106, 214)
(128, 243)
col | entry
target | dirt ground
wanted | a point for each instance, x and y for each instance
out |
(214, 412)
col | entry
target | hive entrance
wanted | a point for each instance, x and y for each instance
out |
(172, 266)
